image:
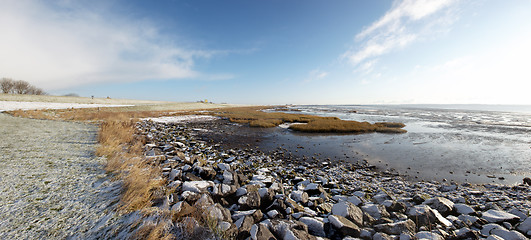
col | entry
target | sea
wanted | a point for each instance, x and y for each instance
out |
(461, 143)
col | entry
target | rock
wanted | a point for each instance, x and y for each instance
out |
(272, 213)
(207, 173)
(224, 166)
(344, 226)
(240, 214)
(424, 235)
(315, 226)
(381, 236)
(314, 189)
(354, 200)
(325, 208)
(219, 213)
(443, 205)
(223, 190)
(251, 200)
(494, 237)
(487, 228)
(197, 186)
(244, 227)
(190, 197)
(261, 232)
(299, 196)
(367, 233)
(380, 197)
(228, 177)
(397, 228)
(525, 226)
(523, 216)
(497, 216)
(173, 174)
(349, 211)
(467, 219)
(182, 209)
(393, 206)
(291, 230)
(463, 209)
(527, 181)
(294, 205)
(447, 188)
(423, 215)
(508, 235)
(376, 211)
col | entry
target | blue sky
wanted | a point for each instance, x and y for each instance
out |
(273, 52)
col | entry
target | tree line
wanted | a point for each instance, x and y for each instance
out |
(8, 85)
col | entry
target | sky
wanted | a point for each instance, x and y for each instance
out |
(273, 52)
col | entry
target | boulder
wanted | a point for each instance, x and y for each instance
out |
(315, 226)
(463, 209)
(424, 235)
(349, 211)
(424, 215)
(291, 230)
(376, 211)
(498, 216)
(251, 200)
(197, 186)
(314, 189)
(381, 236)
(299, 196)
(344, 226)
(261, 232)
(508, 235)
(487, 228)
(397, 228)
(443, 205)
(525, 226)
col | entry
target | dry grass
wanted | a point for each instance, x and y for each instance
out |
(256, 117)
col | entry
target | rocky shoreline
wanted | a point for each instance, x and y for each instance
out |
(247, 194)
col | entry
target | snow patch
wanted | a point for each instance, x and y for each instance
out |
(13, 105)
(184, 118)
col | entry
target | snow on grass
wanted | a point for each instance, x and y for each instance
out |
(14, 105)
(184, 118)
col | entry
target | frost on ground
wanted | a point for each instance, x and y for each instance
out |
(53, 186)
(184, 118)
(12, 105)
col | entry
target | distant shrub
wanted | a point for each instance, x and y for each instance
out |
(10, 86)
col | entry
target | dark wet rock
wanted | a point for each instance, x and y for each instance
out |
(397, 228)
(525, 227)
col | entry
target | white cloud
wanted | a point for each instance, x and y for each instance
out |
(406, 22)
(67, 44)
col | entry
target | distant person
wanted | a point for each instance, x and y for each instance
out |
(92, 96)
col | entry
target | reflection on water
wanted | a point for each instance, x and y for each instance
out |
(454, 142)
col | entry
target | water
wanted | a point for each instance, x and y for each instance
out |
(53, 186)
(473, 143)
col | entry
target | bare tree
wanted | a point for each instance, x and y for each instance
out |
(19, 87)
(7, 85)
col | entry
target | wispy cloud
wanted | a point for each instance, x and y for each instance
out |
(316, 74)
(406, 22)
(67, 44)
